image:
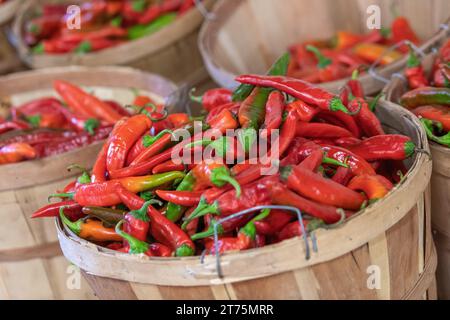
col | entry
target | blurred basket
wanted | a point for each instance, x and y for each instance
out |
(31, 265)
(171, 52)
(248, 35)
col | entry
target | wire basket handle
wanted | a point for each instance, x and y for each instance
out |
(258, 208)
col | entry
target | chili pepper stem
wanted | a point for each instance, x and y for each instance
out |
(184, 250)
(331, 161)
(141, 214)
(198, 99)
(148, 140)
(68, 195)
(230, 180)
(209, 232)
(336, 105)
(202, 209)
(75, 227)
(136, 246)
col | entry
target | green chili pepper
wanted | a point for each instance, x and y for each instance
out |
(428, 125)
(139, 31)
(425, 96)
(175, 211)
(109, 217)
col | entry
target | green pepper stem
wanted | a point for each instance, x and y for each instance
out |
(141, 213)
(136, 246)
(202, 209)
(337, 105)
(323, 61)
(209, 232)
(375, 100)
(184, 251)
(203, 143)
(149, 140)
(198, 99)
(69, 195)
(413, 60)
(90, 125)
(230, 180)
(355, 74)
(75, 227)
(428, 125)
(334, 162)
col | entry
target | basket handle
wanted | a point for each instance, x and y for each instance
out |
(372, 69)
(258, 208)
(204, 11)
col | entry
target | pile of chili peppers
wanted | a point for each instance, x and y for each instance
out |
(429, 95)
(49, 126)
(334, 159)
(318, 61)
(103, 24)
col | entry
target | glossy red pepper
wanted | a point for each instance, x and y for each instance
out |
(414, 72)
(210, 174)
(305, 112)
(274, 111)
(16, 152)
(71, 209)
(366, 119)
(320, 130)
(375, 187)
(213, 98)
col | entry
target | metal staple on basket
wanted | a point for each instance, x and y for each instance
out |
(257, 208)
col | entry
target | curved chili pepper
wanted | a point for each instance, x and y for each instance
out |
(366, 119)
(385, 147)
(414, 72)
(170, 165)
(347, 142)
(342, 175)
(142, 183)
(181, 198)
(372, 52)
(293, 229)
(305, 112)
(110, 217)
(428, 125)
(136, 246)
(153, 145)
(425, 96)
(85, 104)
(401, 30)
(320, 130)
(90, 229)
(233, 107)
(273, 223)
(161, 228)
(341, 119)
(343, 40)
(16, 152)
(136, 222)
(123, 140)
(371, 185)
(252, 195)
(288, 131)
(214, 174)
(281, 195)
(317, 188)
(72, 210)
(13, 125)
(327, 69)
(178, 119)
(99, 168)
(213, 98)
(436, 113)
(298, 89)
(274, 111)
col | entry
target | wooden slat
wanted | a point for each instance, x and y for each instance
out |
(379, 256)
(110, 289)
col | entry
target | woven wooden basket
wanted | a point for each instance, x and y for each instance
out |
(248, 35)
(393, 236)
(31, 265)
(440, 195)
(171, 52)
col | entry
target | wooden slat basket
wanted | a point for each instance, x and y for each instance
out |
(440, 192)
(8, 10)
(248, 35)
(171, 52)
(391, 239)
(31, 264)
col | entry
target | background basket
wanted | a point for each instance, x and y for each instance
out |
(241, 41)
(31, 265)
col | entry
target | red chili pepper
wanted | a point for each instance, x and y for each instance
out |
(170, 165)
(385, 147)
(182, 198)
(123, 140)
(327, 69)
(71, 209)
(16, 152)
(214, 174)
(253, 194)
(223, 121)
(293, 229)
(288, 131)
(274, 111)
(342, 175)
(341, 119)
(367, 120)
(136, 246)
(344, 40)
(85, 104)
(152, 145)
(178, 119)
(283, 196)
(136, 222)
(436, 113)
(320, 189)
(305, 112)
(401, 30)
(320, 130)
(374, 187)
(213, 98)
(347, 142)
(233, 107)
(297, 88)
(99, 168)
(274, 222)
(414, 72)
(162, 229)
(13, 125)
